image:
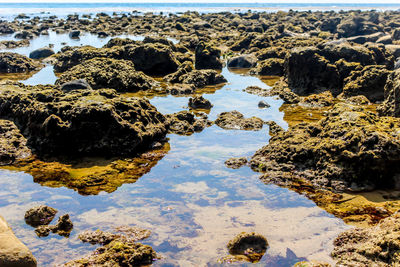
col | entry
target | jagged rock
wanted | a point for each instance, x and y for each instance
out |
(40, 215)
(271, 67)
(186, 123)
(199, 102)
(207, 57)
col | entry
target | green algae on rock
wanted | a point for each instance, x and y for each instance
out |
(109, 73)
(234, 120)
(90, 122)
(16, 63)
(117, 249)
(391, 104)
(375, 246)
(350, 148)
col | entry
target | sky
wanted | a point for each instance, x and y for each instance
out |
(205, 1)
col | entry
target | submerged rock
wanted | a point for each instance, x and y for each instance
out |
(350, 146)
(108, 73)
(186, 123)
(81, 123)
(16, 63)
(13, 252)
(40, 215)
(375, 246)
(63, 227)
(234, 120)
(236, 163)
(117, 249)
(250, 245)
(12, 143)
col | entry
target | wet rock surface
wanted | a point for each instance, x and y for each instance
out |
(199, 102)
(207, 57)
(234, 120)
(236, 163)
(40, 215)
(41, 53)
(391, 104)
(12, 251)
(95, 118)
(117, 249)
(247, 247)
(186, 123)
(63, 227)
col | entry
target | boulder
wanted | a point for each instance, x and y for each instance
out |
(108, 73)
(244, 61)
(16, 63)
(40, 215)
(41, 53)
(234, 120)
(207, 57)
(90, 122)
(13, 253)
(74, 34)
(197, 102)
(270, 67)
(152, 58)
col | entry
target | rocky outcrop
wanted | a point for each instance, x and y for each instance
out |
(108, 73)
(199, 102)
(234, 120)
(350, 148)
(12, 143)
(270, 67)
(391, 104)
(13, 253)
(63, 227)
(90, 122)
(16, 63)
(374, 246)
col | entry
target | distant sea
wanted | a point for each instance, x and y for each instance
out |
(10, 10)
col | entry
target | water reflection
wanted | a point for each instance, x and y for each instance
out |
(189, 200)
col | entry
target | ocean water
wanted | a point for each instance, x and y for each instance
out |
(10, 10)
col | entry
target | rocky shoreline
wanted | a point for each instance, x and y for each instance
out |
(339, 81)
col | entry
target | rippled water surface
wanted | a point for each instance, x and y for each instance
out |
(190, 201)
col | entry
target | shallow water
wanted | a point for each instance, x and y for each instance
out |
(190, 201)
